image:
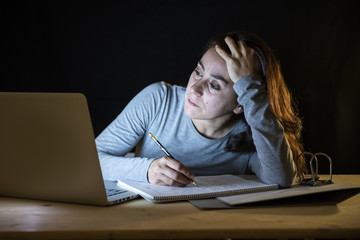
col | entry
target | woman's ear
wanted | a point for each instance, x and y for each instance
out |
(238, 109)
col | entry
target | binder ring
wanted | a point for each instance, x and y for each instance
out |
(315, 179)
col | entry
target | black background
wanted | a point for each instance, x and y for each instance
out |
(110, 50)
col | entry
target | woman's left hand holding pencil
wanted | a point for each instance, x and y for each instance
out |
(168, 171)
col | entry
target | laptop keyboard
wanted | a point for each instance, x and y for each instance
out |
(112, 192)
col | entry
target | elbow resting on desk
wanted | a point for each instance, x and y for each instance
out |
(283, 177)
(282, 181)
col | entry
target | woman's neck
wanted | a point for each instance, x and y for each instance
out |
(216, 128)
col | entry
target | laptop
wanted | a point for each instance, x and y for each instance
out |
(48, 151)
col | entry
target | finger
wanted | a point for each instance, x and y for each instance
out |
(168, 176)
(161, 174)
(243, 48)
(175, 173)
(181, 168)
(232, 46)
(223, 53)
(251, 55)
(173, 178)
(164, 179)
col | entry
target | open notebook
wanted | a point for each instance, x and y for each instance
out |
(208, 186)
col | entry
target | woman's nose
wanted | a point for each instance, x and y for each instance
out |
(197, 88)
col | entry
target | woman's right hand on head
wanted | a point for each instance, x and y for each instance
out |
(242, 60)
(170, 172)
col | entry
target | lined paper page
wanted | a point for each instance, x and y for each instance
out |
(209, 186)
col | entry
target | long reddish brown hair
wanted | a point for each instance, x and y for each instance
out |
(280, 98)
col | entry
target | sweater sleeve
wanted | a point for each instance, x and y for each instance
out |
(123, 134)
(272, 162)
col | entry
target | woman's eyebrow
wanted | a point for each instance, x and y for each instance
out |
(201, 65)
(217, 77)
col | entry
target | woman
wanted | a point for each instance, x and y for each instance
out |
(234, 117)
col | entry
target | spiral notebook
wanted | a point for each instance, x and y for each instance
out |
(208, 187)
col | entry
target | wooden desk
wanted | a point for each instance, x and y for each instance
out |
(138, 219)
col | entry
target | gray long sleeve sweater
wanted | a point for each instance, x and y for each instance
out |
(159, 109)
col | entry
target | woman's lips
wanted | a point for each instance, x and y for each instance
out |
(192, 103)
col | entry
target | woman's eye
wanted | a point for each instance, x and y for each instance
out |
(197, 73)
(214, 86)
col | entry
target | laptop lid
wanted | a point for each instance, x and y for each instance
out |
(47, 149)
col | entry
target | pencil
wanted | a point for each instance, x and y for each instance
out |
(167, 153)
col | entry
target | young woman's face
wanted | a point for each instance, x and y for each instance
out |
(209, 93)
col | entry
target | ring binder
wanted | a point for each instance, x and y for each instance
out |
(314, 180)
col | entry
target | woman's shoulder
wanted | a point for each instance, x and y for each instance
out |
(162, 89)
(163, 86)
